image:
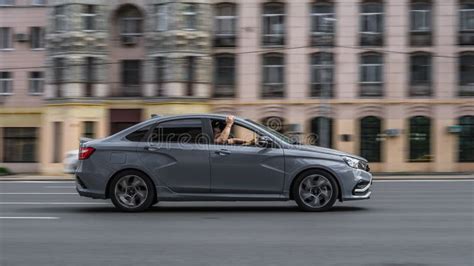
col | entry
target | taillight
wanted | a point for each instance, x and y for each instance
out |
(85, 152)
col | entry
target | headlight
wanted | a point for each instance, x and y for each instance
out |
(352, 162)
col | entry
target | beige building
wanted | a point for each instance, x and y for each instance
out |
(390, 80)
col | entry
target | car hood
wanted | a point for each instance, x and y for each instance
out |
(311, 148)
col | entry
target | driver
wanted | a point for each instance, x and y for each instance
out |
(222, 133)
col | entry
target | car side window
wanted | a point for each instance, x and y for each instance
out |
(138, 135)
(242, 135)
(178, 131)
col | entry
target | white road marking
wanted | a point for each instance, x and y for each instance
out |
(50, 203)
(59, 187)
(38, 193)
(422, 180)
(30, 218)
(35, 182)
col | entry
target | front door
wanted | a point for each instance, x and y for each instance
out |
(176, 155)
(246, 168)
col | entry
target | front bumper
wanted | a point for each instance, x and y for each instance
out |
(360, 186)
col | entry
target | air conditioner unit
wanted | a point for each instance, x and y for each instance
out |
(21, 37)
(129, 40)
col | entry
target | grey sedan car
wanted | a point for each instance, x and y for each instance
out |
(175, 158)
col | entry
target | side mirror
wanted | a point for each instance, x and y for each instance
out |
(264, 141)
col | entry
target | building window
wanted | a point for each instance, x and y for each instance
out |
(89, 17)
(38, 2)
(466, 139)
(371, 31)
(160, 65)
(190, 74)
(322, 24)
(190, 16)
(420, 74)
(225, 25)
(131, 23)
(6, 83)
(322, 75)
(57, 140)
(131, 77)
(60, 21)
(89, 129)
(19, 144)
(273, 75)
(371, 75)
(466, 23)
(370, 145)
(58, 73)
(161, 17)
(275, 122)
(90, 75)
(322, 130)
(5, 38)
(466, 74)
(420, 139)
(7, 2)
(36, 83)
(37, 37)
(273, 24)
(224, 77)
(420, 24)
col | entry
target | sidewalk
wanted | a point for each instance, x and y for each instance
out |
(434, 176)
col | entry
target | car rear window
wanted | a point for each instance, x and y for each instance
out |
(182, 131)
(138, 135)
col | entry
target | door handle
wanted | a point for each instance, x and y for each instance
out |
(222, 152)
(150, 148)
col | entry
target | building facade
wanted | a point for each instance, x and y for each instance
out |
(390, 80)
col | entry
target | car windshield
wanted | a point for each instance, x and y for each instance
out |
(275, 133)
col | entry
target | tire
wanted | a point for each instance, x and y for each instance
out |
(315, 191)
(132, 191)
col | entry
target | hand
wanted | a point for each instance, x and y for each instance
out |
(229, 120)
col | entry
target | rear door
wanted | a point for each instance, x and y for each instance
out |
(177, 155)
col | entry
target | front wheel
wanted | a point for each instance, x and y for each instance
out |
(132, 191)
(315, 191)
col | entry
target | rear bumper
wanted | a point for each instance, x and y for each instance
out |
(83, 191)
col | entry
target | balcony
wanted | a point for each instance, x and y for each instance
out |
(466, 38)
(420, 90)
(318, 90)
(127, 91)
(371, 89)
(224, 40)
(466, 90)
(420, 39)
(276, 90)
(322, 39)
(273, 40)
(224, 91)
(371, 39)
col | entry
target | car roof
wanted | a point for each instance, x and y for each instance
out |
(222, 116)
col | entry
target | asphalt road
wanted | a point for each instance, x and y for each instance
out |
(405, 223)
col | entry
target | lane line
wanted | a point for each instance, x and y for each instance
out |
(51, 203)
(59, 186)
(38, 193)
(29, 218)
(422, 180)
(36, 182)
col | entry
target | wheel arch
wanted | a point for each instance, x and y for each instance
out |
(109, 182)
(338, 183)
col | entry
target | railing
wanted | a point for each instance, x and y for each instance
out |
(371, 89)
(273, 90)
(224, 41)
(420, 90)
(466, 90)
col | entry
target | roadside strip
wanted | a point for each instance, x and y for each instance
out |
(29, 218)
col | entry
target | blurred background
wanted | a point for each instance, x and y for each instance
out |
(392, 80)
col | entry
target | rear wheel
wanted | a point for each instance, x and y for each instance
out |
(315, 190)
(132, 191)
